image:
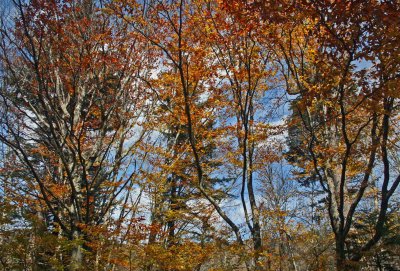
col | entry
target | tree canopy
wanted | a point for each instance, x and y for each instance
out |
(199, 135)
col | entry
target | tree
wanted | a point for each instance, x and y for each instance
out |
(346, 108)
(72, 108)
(237, 45)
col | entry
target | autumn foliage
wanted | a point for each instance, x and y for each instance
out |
(199, 135)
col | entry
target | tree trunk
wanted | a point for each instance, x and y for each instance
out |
(76, 258)
(76, 254)
(257, 246)
(342, 263)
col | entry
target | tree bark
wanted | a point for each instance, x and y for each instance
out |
(76, 253)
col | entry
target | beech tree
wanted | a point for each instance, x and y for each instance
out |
(246, 75)
(72, 112)
(346, 108)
